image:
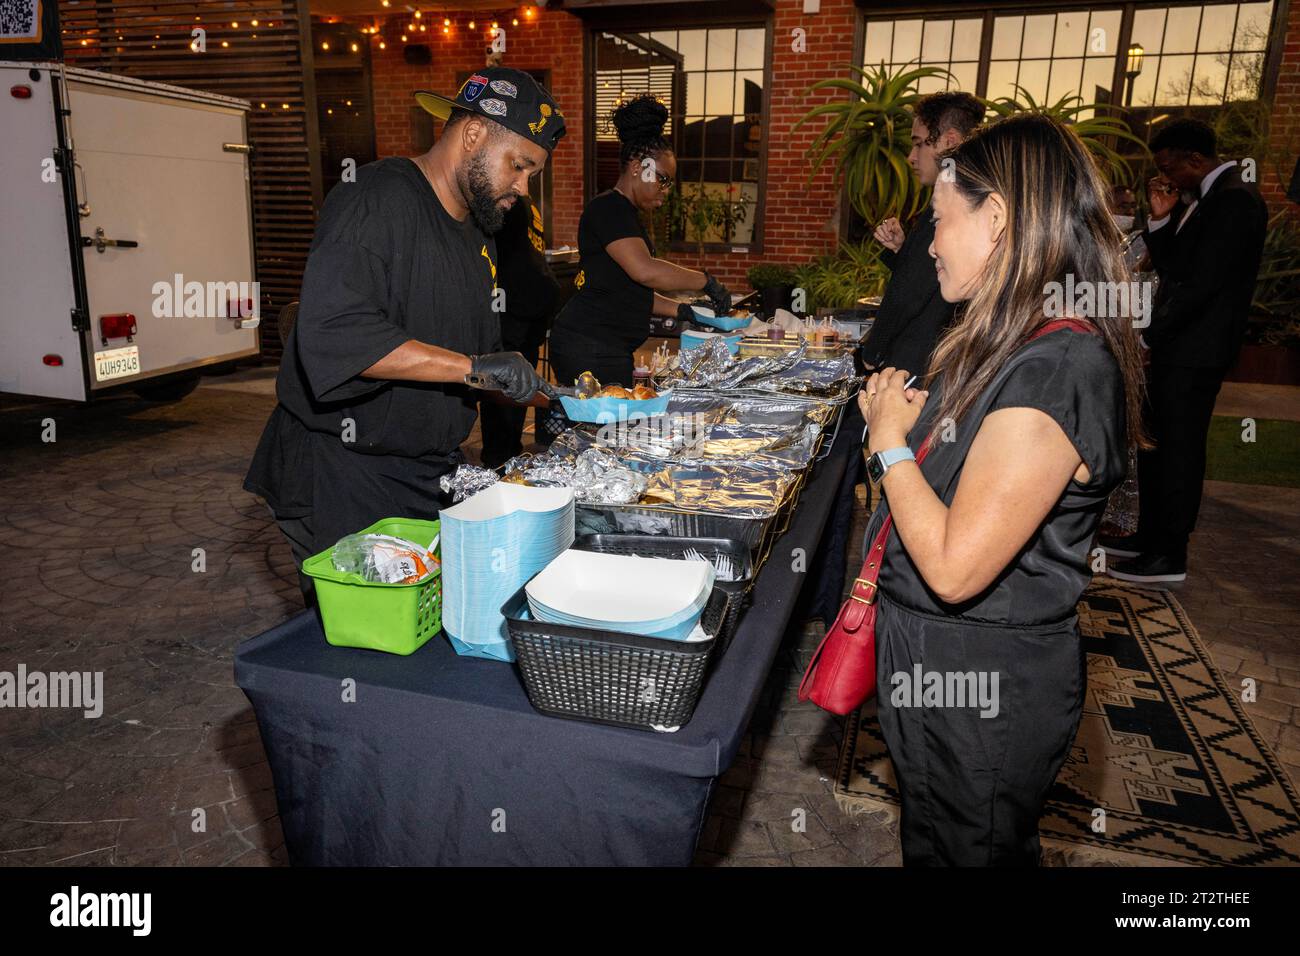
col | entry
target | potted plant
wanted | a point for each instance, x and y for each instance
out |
(1271, 351)
(703, 212)
(839, 280)
(774, 285)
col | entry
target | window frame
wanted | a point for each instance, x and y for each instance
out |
(642, 22)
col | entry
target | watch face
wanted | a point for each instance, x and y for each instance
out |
(875, 470)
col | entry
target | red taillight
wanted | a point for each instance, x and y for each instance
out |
(119, 325)
(53, 360)
(20, 92)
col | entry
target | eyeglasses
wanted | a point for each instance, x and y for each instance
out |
(665, 182)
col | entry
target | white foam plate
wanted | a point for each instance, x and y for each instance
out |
(619, 588)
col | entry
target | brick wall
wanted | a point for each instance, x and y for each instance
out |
(800, 221)
(550, 40)
(1284, 120)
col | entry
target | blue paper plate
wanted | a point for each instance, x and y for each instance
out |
(726, 323)
(602, 411)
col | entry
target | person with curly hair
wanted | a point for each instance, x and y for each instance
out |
(620, 281)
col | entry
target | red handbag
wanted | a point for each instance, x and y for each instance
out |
(842, 673)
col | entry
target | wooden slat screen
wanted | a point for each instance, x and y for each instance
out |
(263, 61)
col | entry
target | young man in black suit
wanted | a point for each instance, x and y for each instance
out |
(1206, 249)
(912, 313)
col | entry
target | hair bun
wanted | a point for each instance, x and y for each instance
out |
(640, 119)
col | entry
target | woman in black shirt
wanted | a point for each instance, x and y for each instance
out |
(602, 325)
(1025, 428)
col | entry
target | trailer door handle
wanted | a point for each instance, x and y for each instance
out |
(236, 147)
(101, 242)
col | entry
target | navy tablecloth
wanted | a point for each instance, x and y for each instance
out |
(440, 759)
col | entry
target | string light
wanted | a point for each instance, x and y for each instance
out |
(353, 48)
(417, 14)
(253, 22)
(403, 37)
(234, 24)
(384, 2)
(382, 45)
(471, 24)
(514, 21)
(445, 23)
(325, 44)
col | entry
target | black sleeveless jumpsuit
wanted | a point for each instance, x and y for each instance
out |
(973, 786)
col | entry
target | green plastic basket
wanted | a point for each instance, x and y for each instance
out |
(397, 618)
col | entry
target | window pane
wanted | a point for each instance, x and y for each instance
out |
(1033, 77)
(1097, 77)
(1244, 76)
(931, 84)
(1065, 78)
(1071, 33)
(749, 92)
(1006, 38)
(1252, 26)
(1144, 85)
(1002, 76)
(717, 96)
(690, 43)
(1175, 80)
(1180, 30)
(695, 94)
(1148, 27)
(937, 41)
(1216, 28)
(722, 50)
(966, 39)
(965, 75)
(667, 37)
(1211, 79)
(1038, 36)
(880, 35)
(1103, 33)
(749, 49)
(907, 41)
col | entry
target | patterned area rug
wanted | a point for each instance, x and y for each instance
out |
(1164, 748)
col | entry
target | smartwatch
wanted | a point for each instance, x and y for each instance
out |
(881, 461)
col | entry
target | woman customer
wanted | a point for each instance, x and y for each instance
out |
(1027, 433)
(619, 279)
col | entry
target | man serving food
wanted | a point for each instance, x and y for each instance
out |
(397, 315)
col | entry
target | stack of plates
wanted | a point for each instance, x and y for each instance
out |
(654, 597)
(493, 542)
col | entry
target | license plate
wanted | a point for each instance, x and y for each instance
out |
(117, 363)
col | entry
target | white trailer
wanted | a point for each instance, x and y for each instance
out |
(126, 237)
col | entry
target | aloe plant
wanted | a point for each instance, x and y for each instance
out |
(869, 136)
(1097, 131)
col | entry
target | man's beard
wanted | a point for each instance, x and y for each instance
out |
(483, 205)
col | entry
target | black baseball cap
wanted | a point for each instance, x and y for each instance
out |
(509, 97)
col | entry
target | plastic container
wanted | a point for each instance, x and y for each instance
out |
(607, 677)
(395, 618)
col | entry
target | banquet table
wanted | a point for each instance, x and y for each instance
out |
(438, 759)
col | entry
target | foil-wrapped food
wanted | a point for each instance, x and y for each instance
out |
(711, 366)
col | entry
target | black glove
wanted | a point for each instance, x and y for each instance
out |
(511, 374)
(718, 295)
(685, 313)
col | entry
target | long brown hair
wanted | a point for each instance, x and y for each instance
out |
(1058, 224)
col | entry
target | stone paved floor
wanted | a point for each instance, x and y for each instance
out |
(97, 560)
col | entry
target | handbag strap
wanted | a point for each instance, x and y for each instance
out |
(863, 593)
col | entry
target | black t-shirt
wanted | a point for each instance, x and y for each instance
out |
(1073, 378)
(524, 275)
(388, 264)
(609, 307)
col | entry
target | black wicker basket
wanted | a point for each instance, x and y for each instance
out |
(627, 680)
(669, 546)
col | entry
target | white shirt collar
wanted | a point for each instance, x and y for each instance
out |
(1213, 174)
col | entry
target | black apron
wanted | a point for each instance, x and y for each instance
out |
(972, 786)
